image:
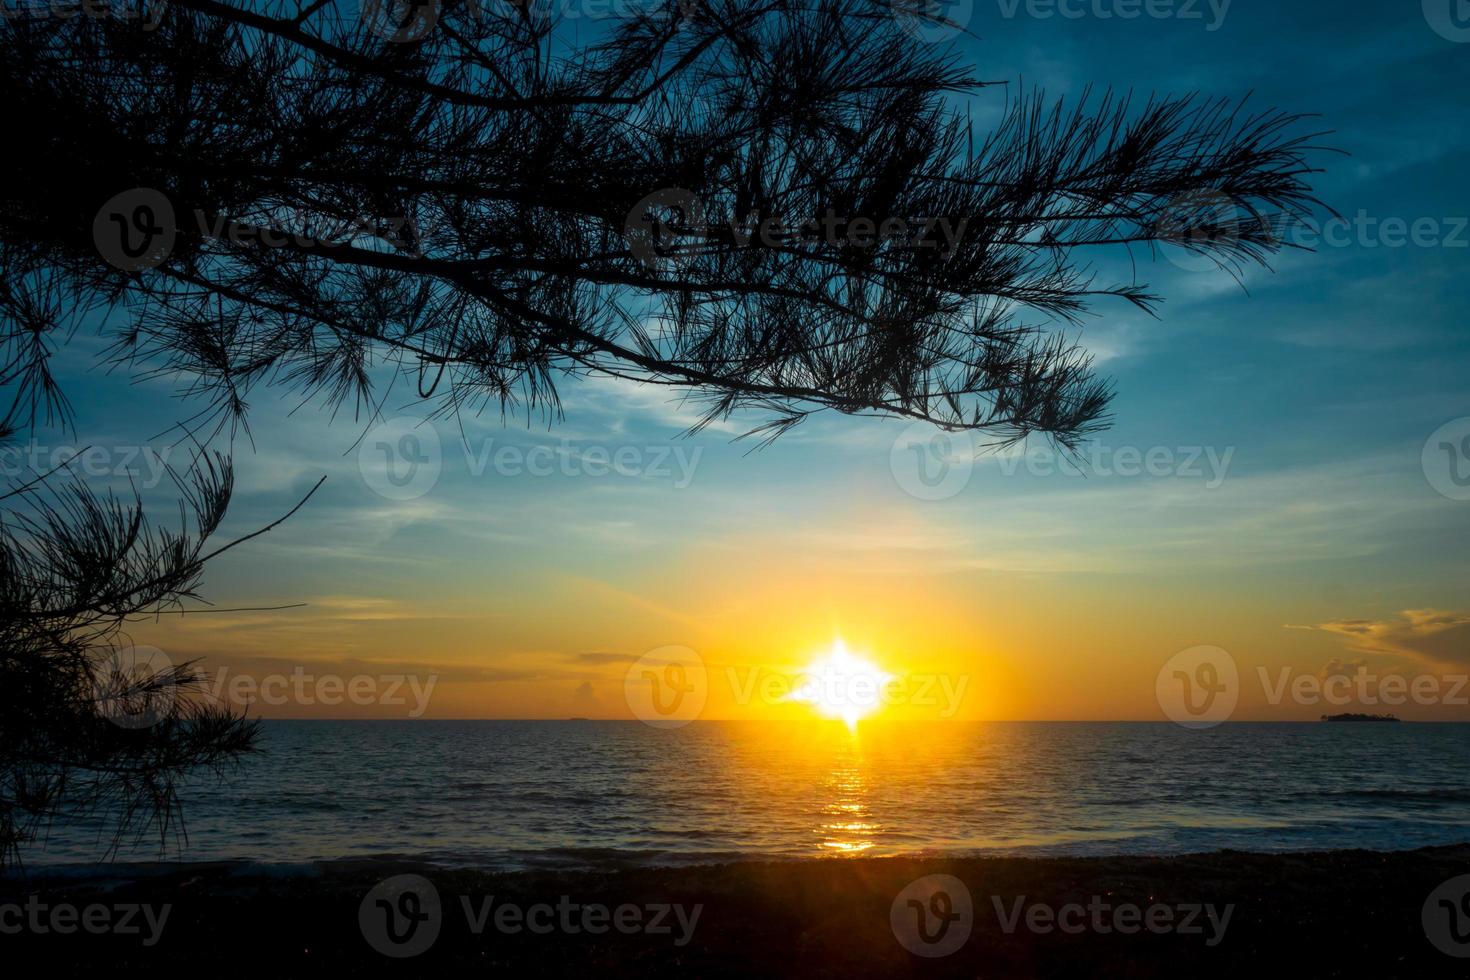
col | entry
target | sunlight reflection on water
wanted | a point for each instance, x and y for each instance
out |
(848, 831)
(598, 794)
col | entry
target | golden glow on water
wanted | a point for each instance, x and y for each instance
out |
(818, 788)
(848, 826)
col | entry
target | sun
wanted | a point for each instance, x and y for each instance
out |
(841, 685)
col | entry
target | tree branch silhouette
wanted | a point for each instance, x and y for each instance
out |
(694, 198)
(87, 725)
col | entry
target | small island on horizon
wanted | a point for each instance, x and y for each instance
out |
(1352, 716)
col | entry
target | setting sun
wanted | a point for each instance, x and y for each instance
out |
(841, 685)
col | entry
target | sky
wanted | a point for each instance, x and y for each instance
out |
(1265, 489)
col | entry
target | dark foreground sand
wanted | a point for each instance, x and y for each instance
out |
(1332, 914)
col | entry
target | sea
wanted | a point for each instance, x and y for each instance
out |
(606, 794)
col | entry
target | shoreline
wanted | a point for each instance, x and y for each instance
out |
(1321, 913)
(79, 872)
(609, 861)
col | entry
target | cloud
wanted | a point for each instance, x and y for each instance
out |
(1428, 635)
(618, 400)
(598, 657)
(584, 698)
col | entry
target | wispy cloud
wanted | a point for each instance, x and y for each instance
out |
(1435, 636)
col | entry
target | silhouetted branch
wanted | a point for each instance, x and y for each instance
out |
(90, 723)
(775, 206)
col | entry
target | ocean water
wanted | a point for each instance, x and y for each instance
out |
(607, 794)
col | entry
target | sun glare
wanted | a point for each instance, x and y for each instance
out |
(841, 685)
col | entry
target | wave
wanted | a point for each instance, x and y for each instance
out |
(1415, 796)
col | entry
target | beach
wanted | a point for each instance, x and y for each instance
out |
(1228, 913)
